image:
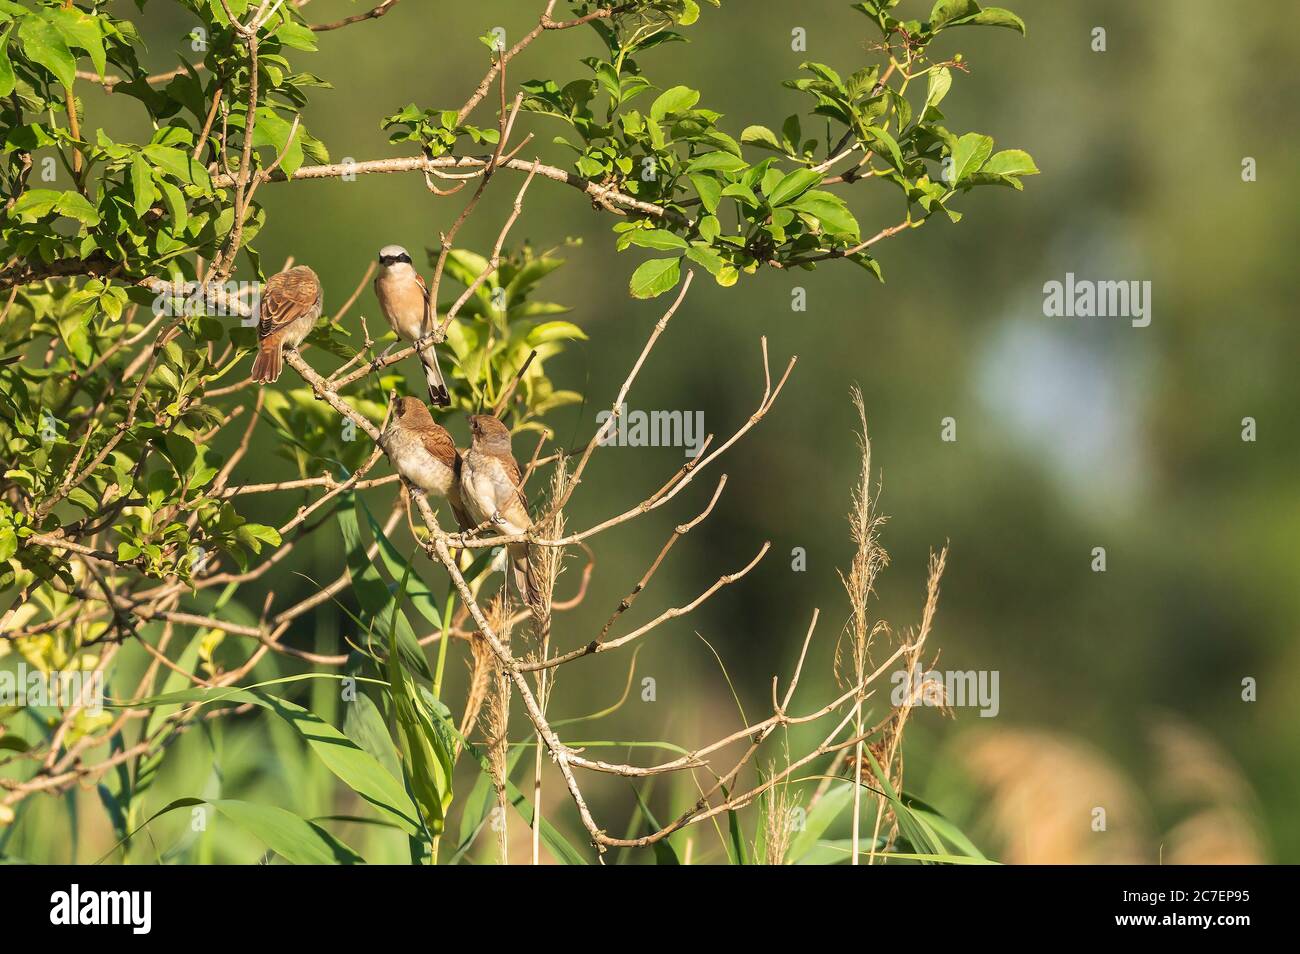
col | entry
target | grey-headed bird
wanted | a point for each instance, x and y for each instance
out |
(425, 454)
(404, 300)
(490, 485)
(291, 303)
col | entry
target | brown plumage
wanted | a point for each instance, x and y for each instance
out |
(491, 486)
(291, 303)
(425, 454)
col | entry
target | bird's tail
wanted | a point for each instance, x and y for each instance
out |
(266, 366)
(525, 575)
(438, 394)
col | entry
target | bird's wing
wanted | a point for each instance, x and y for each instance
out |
(287, 297)
(442, 447)
(419, 280)
(440, 444)
(427, 320)
(510, 469)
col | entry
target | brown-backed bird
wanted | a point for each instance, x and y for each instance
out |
(490, 485)
(425, 454)
(291, 303)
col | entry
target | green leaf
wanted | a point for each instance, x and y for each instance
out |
(709, 190)
(142, 187)
(664, 853)
(881, 140)
(175, 200)
(939, 83)
(917, 832)
(479, 802)
(679, 99)
(555, 331)
(946, 830)
(947, 11)
(76, 206)
(420, 595)
(972, 152)
(296, 36)
(706, 257)
(274, 130)
(429, 759)
(79, 29)
(1011, 162)
(654, 277)
(998, 16)
(830, 210)
(761, 136)
(178, 164)
(357, 768)
(6, 67)
(793, 185)
(292, 838)
(717, 161)
(740, 856)
(42, 44)
(295, 839)
(36, 204)
(364, 724)
(373, 594)
(661, 239)
(836, 800)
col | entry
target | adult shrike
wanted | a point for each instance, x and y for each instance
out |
(425, 454)
(404, 300)
(291, 303)
(491, 489)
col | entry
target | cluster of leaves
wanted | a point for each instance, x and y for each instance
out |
(500, 327)
(139, 209)
(435, 130)
(155, 475)
(729, 214)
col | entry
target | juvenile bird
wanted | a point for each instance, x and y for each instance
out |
(404, 300)
(425, 454)
(291, 303)
(490, 486)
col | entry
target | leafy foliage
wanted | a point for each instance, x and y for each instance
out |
(125, 402)
(730, 214)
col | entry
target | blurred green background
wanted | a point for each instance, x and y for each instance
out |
(1120, 689)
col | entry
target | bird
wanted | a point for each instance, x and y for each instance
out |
(424, 453)
(290, 305)
(490, 485)
(404, 300)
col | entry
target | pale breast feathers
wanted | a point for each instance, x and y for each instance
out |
(404, 302)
